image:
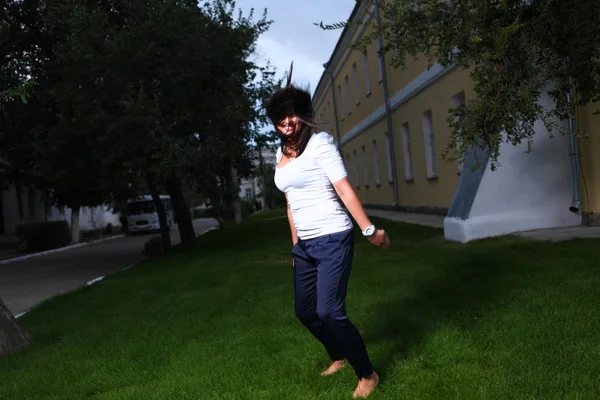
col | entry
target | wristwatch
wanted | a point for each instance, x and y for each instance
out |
(369, 231)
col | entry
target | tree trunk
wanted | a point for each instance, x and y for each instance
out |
(19, 190)
(162, 215)
(237, 207)
(227, 185)
(12, 336)
(75, 224)
(265, 205)
(182, 212)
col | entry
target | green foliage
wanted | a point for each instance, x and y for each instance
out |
(126, 90)
(43, 236)
(514, 50)
(274, 198)
(247, 207)
(20, 92)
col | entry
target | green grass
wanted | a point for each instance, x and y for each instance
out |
(496, 319)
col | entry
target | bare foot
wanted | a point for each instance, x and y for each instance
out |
(335, 367)
(366, 386)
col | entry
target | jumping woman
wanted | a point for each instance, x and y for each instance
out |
(311, 173)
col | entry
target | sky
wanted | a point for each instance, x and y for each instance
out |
(294, 37)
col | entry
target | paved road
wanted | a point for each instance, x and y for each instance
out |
(23, 284)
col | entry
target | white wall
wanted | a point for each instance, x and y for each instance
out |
(92, 218)
(526, 192)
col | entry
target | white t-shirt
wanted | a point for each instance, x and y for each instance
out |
(308, 182)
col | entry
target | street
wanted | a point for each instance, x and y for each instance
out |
(24, 284)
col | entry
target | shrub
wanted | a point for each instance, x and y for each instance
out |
(90, 234)
(153, 247)
(109, 229)
(43, 236)
(204, 213)
(123, 220)
(248, 208)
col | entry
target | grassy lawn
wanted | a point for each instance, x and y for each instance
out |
(497, 319)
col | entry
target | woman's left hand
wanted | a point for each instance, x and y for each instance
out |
(380, 239)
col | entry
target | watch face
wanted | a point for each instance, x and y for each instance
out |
(369, 231)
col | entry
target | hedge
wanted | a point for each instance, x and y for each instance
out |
(43, 236)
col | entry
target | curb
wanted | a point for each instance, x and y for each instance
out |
(98, 279)
(43, 253)
(208, 230)
(89, 283)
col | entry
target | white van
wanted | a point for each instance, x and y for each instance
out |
(142, 215)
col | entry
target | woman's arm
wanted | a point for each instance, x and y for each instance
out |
(329, 159)
(291, 221)
(352, 202)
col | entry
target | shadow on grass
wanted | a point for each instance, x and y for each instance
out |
(442, 283)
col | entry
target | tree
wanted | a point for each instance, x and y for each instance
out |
(274, 198)
(12, 336)
(159, 90)
(21, 44)
(168, 79)
(514, 50)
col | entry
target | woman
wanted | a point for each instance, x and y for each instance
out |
(311, 172)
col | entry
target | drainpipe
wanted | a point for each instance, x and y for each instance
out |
(574, 157)
(388, 113)
(335, 109)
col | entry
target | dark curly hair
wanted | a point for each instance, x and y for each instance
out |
(292, 101)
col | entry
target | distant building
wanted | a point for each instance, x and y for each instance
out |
(28, 207)
(402, 168)
(250, 188)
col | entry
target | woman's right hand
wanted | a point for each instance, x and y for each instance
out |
(380, 239)
(293, 261)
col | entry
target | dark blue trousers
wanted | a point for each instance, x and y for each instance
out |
(321, 273)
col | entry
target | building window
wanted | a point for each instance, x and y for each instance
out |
(458, 100)
(248, 194)
(388, 157)
(341, 102)
(380, 65)
(356, 170)
(430, 153)
(376, 164)
(366, 72)
(406, 148)
(355, 78)
(347, 87)
(365, 165)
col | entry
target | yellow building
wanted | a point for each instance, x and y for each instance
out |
(391, 128)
